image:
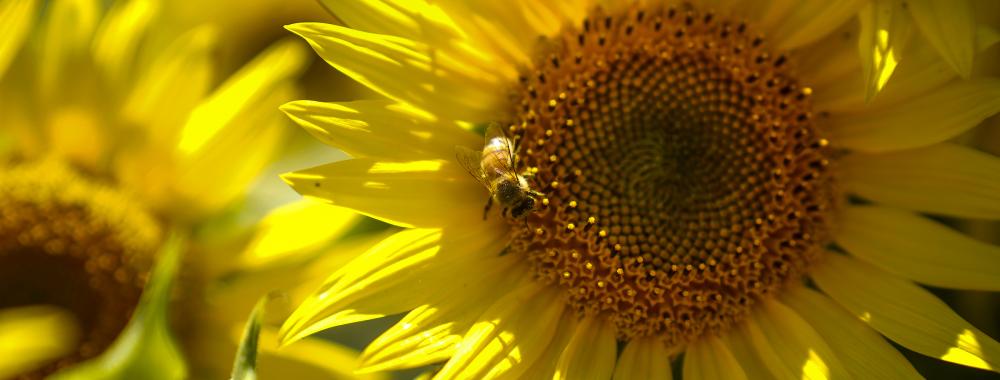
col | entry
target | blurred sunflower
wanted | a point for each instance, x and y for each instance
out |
(115, 135)
(734, 188)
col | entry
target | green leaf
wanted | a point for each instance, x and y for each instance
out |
(245, 365)
(146, 348)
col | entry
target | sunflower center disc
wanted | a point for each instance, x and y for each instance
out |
(73, 244)
(683, 175)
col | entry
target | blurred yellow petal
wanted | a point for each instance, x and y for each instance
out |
(590, 353)
(864, 353)
(789, 346)
(294, 231)
(118, 36)
(214, 165)
(644, 358)
(440, 83)
(918, 248)
(944, 179)
(307, 359)
(811, 20)
(78, 135)
(163, 94)
(16, 19)
(709, 358)
(66, 35)
(509, 336)
(388, 190)
(380, 129)
(146, 348)
(885, 31)
(950, 27)
(169, 87)
(905, 313)
(31, 336)
(932, 118)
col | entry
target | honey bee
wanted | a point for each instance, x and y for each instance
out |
(494, 167)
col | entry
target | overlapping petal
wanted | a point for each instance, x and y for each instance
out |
(942, 179)
(509, 336)
(643, 358)
(590, 353)
(863, 352)
(921, 121)
(918, 249)
(905, 313)
(709, 358)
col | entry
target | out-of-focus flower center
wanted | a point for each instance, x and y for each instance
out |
(682, 173)
(71, 243)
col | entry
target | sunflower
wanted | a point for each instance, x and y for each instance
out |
(697, 185)
(120, 149)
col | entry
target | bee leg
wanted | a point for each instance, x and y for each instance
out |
(486, 210)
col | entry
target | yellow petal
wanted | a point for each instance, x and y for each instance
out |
(863, 352)
(296, 277)
(239, 114)
(416, 20)
(905, 313)
(398, 274)
(16, 19)
(590, 353)
(167, 89)
(308, 359)
(78, 135)
(545, 366)
(709, 358)
(428, 193)
(885, 31)
(66, 36)
(739, 343)
(380, 129)
(951, 28)
(830, 67)
(430, 333)
(917, 248)
(31, 336)
(241, 93)
(292, 232)
(146, 348)
(788, 346)
(509, 336)
(942, 179)
(397, 254)
(809, 21)
(442, 84)
(840, 91)
(644, 359)
(510, 31)
(114, 46)
(937, 116)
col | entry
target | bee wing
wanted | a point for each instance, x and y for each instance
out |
(494, 132)
(471, 161)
